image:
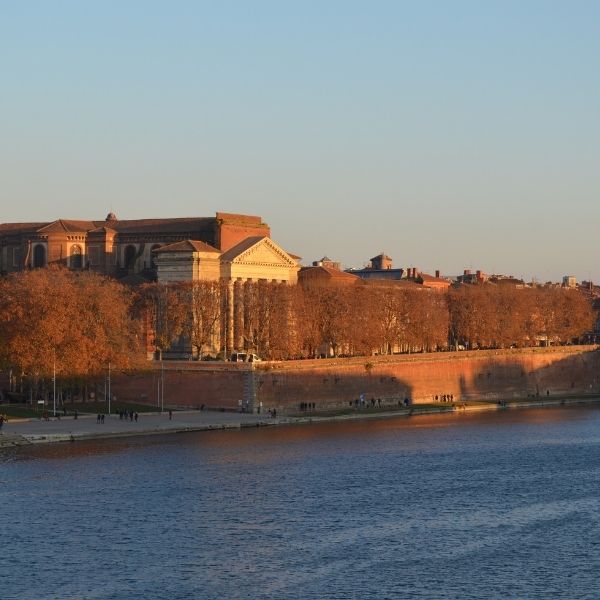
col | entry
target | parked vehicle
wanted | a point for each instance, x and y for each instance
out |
(244, 357)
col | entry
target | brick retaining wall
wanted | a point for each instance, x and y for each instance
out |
(335, 383)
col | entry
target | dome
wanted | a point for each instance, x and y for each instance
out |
(111, 217)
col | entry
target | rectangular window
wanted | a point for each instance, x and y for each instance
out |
(16, 257)
(94, 255)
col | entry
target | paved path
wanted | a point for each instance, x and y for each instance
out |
(86, 427)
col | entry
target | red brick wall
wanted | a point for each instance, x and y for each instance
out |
(231, 234)
(186, 384)
(465, 375)
(335, 383)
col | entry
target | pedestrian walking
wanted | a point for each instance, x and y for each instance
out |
(135, 417)
(102, 419)
(170, 414)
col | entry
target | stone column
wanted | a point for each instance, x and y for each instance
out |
(230, 304)
(248, 317)
(238, 308)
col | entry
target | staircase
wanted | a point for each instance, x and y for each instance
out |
(249, 398)
(12, 439)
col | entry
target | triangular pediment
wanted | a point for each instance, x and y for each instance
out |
(263, 252)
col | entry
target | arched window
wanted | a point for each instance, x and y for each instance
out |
(76, 261)
(130, 253)
(39, 256)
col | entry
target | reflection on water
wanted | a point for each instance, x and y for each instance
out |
(447, 506)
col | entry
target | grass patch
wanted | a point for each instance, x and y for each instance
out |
(20, 411)
(102, 407)
(26, 411)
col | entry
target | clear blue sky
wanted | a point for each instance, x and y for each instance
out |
(447, 134)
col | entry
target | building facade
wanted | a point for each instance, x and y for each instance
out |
(114, 247)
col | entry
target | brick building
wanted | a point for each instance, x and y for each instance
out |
(117, 247)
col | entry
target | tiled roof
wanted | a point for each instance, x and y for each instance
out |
(328, 273)
(241, 247)
(187, 246)
(68, 226)
(162, 225)
(430, 278)
(16, 227)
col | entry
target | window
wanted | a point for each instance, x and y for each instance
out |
(76, 261)
(39, 256)
(130, 256)
(94, 255)
(16, 257)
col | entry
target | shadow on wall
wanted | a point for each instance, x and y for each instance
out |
(343, 383)
(534, 376)
(330, 390)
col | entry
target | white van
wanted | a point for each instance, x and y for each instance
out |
(244, 357)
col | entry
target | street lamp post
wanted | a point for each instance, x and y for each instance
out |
(54, 386)
(162, 386)
(109, 388)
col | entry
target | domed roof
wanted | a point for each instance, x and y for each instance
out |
(111, 217)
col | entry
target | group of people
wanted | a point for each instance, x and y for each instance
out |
(124, 415)
(444, 398)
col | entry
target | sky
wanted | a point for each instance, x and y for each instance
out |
(449, 135)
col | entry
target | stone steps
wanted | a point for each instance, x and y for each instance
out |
(12, 439)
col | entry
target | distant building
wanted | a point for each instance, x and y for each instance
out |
(322, 275)
(472, 278)
(569, 281)
(327, 262)
(508, 280)
(437, 283)
(380, 268)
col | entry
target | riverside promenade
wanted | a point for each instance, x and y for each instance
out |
(85, 427)
(19, 432)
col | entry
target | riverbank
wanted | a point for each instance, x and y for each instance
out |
(35, 431)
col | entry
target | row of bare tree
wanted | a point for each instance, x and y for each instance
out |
(75, 324)
(278, 321)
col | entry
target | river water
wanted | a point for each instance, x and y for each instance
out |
(502, 505)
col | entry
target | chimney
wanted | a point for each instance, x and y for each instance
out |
(437, 273)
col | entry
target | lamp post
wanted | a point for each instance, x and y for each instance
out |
(109, 388)
(162, 386)
(54, 386)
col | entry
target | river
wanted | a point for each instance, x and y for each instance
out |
(501, 505)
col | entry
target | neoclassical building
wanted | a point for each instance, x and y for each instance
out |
(253, 260)
(226, 246)
(231, 248)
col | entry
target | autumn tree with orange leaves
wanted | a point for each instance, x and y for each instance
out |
(73, 324)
